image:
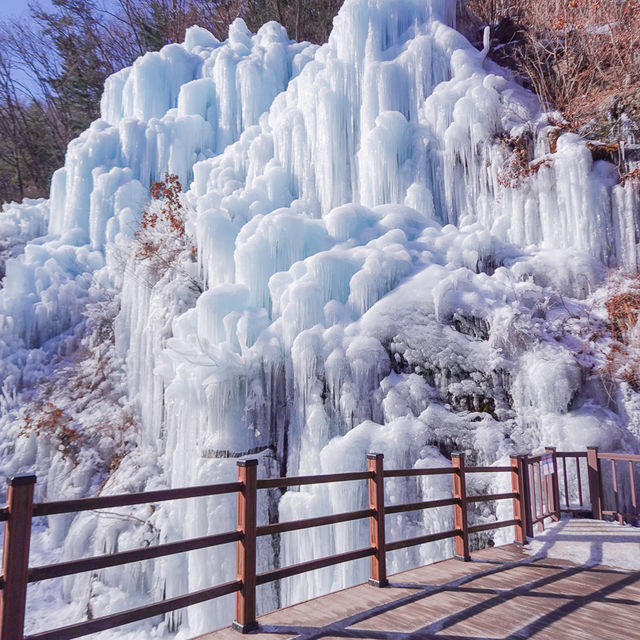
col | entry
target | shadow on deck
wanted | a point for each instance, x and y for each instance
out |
(503, 593)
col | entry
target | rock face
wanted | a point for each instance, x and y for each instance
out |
(381, 253)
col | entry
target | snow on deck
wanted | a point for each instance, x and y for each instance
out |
(590, 542)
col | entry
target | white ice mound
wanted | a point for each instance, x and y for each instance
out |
(372, 272)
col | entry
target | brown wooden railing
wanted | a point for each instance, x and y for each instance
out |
(535, 496)
(547, 486)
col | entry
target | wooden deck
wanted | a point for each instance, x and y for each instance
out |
(502, 593)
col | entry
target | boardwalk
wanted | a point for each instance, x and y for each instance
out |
(502, 593)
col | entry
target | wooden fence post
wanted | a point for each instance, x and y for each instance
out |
(595, 482)
(519, 510)
(553, 486)
(15, 561)
(246, 547)
(526, 495)
(460, 509)
(377, 536)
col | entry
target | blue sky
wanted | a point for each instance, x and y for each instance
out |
(15, 8)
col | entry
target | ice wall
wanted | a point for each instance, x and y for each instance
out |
(371, 274)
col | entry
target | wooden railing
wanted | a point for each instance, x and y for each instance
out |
(550, 491)
(534, 498)
(600, 492)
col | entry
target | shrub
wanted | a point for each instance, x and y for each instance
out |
(622, 303)
(161, 233)
(518, 165)
(161, 238)
(51, 423)
(580, 56)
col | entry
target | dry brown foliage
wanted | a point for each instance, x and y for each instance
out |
(51, 423)
(518, 165)
(623, 308)
(167, 192)
(580, 55)
(630, 176)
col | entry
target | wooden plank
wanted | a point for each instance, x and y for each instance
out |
(579, 482)
(295, 481)
(125, 557)
(494, 496)
(129, 499)
(493, 525)
(133, 615)
(312, 565)
(625, 457)
(415, 506)
(431, 537)
(487, 469)
(404, 473)
(296, 525)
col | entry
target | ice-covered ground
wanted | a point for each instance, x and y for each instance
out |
(366, 266)
(591, 542)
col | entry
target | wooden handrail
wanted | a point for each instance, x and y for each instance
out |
(296, 525)
(140, 613)
(493, 525)
(126, 557)
(415, 506)
(403, 473)
(129, 499)
(526, 475)
(624, 457)
(571, 454)
(312, 565)
(295, 481)
(431, 537)
(494, 496)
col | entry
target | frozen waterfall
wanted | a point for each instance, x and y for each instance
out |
(371, 282)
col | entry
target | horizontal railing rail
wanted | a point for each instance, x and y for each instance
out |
(535, 494)
(431, 537)
(624, 457)
(297, 525)
(404, 473)
(127, 557)
(415, 506)
(296, 481)
(131, 499)
(104, 623)
(312, 565)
